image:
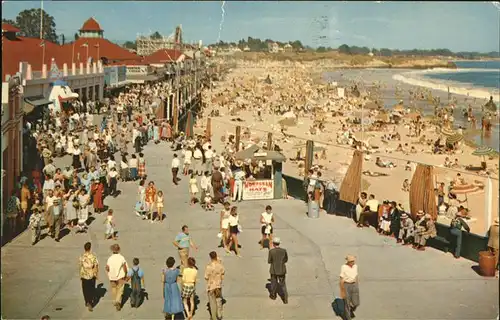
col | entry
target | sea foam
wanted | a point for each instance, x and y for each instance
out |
(417, 78)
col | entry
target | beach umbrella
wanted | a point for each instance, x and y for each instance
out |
(454, 138)
(447, 131)
(483, 151)
(465, 189)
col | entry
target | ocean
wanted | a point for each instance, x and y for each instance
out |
(481, 74)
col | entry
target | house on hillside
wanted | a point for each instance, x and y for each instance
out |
(246, 49)
(288, 47)
(273, 47)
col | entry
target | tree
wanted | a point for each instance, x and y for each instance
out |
(296, 44)
(76, 36)
(321, 49)
(156, 35)
(9, 21)
(130, 45)
(28, 21)
(63, 39)
(344, 49)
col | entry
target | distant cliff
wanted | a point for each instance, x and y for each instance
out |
(335, 59)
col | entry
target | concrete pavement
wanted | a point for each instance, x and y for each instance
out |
(395, 282)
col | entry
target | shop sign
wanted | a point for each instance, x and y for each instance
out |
(137, 70)
(258, 189)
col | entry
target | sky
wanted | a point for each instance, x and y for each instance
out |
(458, 26)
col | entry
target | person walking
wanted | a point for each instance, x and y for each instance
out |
(172, 301)
(183, 242)
(175, 169)
(89, 273)
(55, 213)
(189, 275)
(266, 221)
(136, 276)
(349, 286)
(234, 229)
(214, 275)
(277, 258)
(117, 269)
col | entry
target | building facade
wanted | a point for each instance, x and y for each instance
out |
(12, 135)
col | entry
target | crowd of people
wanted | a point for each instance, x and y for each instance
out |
(390, 218)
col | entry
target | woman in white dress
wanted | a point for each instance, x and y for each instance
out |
(71, 206)
(188, 154)
(141, 202)
(83, 211)
(70, 148)
(193, 187)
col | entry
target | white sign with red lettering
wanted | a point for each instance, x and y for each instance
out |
(258, 190)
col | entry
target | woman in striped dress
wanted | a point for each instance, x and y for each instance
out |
(141, 166)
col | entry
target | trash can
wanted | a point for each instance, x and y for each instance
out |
(313, 209)
(486, 264)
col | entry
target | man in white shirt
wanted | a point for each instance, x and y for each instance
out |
(209, 159)
(239, 176)
(119, 112)
(349, 285)
(175, 169)
(204, 184)
(197, 159)
(49, 169)
(135, 140)
(117, 269)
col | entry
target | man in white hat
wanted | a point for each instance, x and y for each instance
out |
(406, 233)
(493, 236)
(277, 258)
(349, 286)
(423, 234)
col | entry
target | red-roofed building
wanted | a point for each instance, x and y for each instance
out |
(89, 26)
(163, 56)
(9, 28)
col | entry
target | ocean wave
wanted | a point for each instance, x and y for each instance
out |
(417, 78)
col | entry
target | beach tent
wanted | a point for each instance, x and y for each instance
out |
(351, 185)
(422, 195)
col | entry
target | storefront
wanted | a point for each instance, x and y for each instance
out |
(263, 171)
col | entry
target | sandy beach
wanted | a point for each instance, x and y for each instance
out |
(244, 92)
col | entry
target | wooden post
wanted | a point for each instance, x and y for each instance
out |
(237, 140)
(309, 156)
(270, 141)
(175, 113)
(208, 130)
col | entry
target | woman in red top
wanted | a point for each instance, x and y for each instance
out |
(150, 198)
(97, 190)
(36, 176)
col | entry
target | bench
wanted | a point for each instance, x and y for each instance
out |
(440, 243)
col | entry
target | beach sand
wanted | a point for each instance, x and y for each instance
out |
(294, 81)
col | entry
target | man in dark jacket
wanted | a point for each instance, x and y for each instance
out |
(277, 259)
(395, 214)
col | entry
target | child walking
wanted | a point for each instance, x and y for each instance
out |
(136, 275)
(35, 223)
(110, 226)
(159, 205)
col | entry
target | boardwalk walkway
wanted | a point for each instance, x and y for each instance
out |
(395, 282)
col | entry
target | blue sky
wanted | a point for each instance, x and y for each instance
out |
(459, 26)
